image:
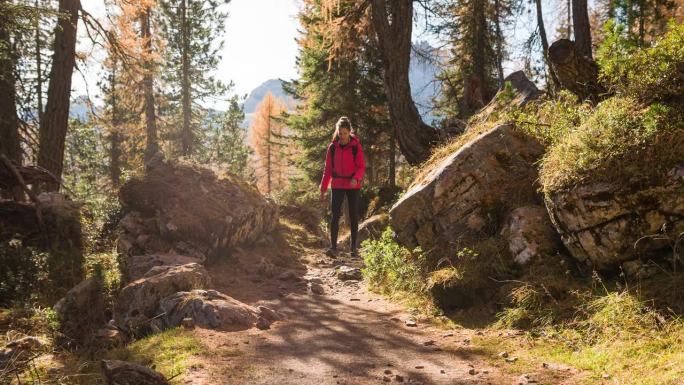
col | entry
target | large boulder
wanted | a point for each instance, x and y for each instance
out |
(138, 302)
(607, 223)
(185, 209)
(82, 310)
(468, 195)
(209, 309)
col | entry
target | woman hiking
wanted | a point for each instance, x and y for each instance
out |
(344, 165)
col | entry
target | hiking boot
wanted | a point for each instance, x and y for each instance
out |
(331, 252)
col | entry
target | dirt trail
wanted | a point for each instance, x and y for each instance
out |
(345, 336)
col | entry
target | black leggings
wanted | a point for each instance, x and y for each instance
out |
(337, 200)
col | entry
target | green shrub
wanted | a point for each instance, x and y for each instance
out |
(652, 74)
(392, 268)
(23, 272)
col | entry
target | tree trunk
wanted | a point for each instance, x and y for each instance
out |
(115, 135)
(545, 44)
(480, 42)
(39, 68)
(152, 145)
(9, 122)
(55, 122)
(393, 22)
(582, 28)
(499, 42)
(576, 72)
(186, 134)
(392, 171)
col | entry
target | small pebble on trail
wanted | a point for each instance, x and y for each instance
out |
(398, 378)
(447, 335)
(503, 355)
(429, 343)
(411, 323)
(387, 371)
(419, 367)
(472, 372)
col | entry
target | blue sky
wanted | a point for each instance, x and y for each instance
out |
(260, 43)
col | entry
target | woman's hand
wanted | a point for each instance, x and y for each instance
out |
(353, 182)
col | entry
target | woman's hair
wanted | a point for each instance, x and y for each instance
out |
(343, 122)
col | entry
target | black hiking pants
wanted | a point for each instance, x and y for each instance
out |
(337, 199)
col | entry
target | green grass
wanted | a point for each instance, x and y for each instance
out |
(613, 334)
(170, 352)
(620, 140)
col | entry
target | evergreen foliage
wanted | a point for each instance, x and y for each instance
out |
(190, 29)
(328, 87)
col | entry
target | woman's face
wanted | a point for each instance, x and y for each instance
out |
(344, 134)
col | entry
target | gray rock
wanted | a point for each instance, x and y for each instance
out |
(605, 224)
(126, 373)
(208, 309)
(138, 302)
(315, 288)
(346, 273)
(530, 234)
(82, 310)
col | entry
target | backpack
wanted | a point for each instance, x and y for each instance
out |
(355, 150)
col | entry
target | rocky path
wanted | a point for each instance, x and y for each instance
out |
(346, 335)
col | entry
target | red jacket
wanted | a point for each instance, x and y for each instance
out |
(345, 166)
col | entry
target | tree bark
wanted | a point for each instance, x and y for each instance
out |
(115, 134)
(582, 28)
(392, 169)
(9, 121)
(186, 134)
(393, 21)
(55, 122)
(576, 72)
(152, 145)
(545, 43)
(499, 42)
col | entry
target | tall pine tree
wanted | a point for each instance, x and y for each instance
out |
(190, 28)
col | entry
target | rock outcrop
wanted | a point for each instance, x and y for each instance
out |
(469, 194)
(188, 210)
(605, 224)
(138, 302)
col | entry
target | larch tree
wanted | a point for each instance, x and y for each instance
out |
(269, 148)
(190, 28)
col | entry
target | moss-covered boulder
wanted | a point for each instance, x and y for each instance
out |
(614, 187)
